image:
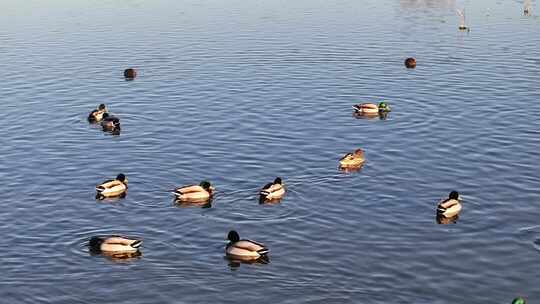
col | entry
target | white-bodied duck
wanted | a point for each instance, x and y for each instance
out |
(114, 244)
(195, 193)
(273, 191)
(244, 249)
(113, 187)
(451, 206)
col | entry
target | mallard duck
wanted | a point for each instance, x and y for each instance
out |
(113, 187)
(244, 249)
(97, 114)
(352, 160)
(195, 193)
(110, 123)
(519, 300)
(410, 63)
(371, 108)
(451, 206)
(113, 244)
(272, 191)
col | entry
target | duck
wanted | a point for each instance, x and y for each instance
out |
(371, 108)
(451, 206)
(97, 114)
(244, 249)
(113, 244)
(110, 123)
(352, 160)
(113, 187)
(519, 300)
(273, 191)
(195, 193)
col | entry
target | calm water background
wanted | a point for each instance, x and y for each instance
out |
(239, 92)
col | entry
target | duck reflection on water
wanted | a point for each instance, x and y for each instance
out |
(101, 197)
(235, 262)
(380, 116)
(443, 220)
(351, 169)
(192, 204)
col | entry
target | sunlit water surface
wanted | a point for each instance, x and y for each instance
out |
(239, 92)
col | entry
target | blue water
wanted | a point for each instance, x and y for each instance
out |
(239, 92)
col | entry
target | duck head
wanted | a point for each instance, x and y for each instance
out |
(102, 107)
(95, 243)
(519, 300)
(454, 195)
(206, 185)
(121, 177)
(233, 236)
(384, 107)
(278, 181)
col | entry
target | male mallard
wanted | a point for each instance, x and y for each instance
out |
(272, 191)
(371, 108)
(519, 300)
(244, 249)
(451, 206)
(203, 192)
(97, 114)
(113, 187)
(110, 123)
(113, 244)
(352, 160)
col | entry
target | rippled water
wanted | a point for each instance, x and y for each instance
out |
(239, 92)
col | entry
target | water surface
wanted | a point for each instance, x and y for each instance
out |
(241, 92)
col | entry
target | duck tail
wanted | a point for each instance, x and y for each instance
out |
(263, 251)
(136, 244)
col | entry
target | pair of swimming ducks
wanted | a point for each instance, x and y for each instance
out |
(101, 115)
(204, 191)
(192, 193)
(117, 246)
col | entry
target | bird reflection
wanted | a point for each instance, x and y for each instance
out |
(265, 201)
(443, 220)
(235, 262)
(111, 199)
(123, 257)
(115, 131)
(380, 116)
(439, 4)
(350, 169)
(200, 204)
